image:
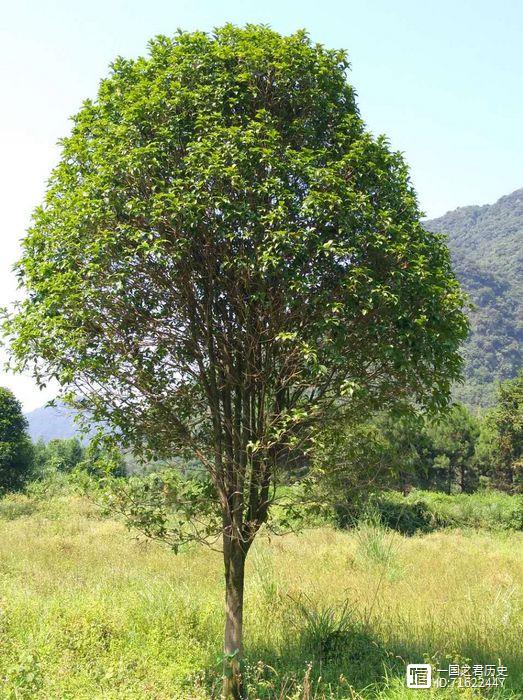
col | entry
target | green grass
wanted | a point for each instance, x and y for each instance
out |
(427, 511)
(484, 509)
(88, 612)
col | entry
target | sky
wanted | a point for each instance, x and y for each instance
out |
(443, 79)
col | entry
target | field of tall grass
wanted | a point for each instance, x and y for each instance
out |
(89, 612)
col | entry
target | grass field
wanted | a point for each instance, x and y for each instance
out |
(88, 612)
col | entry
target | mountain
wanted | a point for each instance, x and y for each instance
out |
(486, 243)
(49, 422)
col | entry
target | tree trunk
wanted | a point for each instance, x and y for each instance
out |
(510, 478)
(403, 483)
(234, 559)
(462, 478)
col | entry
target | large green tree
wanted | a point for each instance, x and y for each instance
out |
(16, 453)
(224, 255)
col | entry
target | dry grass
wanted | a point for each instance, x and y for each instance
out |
(86, 611)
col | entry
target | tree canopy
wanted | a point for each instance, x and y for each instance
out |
(224, 255)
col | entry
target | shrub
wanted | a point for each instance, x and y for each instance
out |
(332, 634)
(426, 511)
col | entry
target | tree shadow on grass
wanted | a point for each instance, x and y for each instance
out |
(356, 658)
(347, 661)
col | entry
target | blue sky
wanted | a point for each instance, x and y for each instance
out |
(444, 81)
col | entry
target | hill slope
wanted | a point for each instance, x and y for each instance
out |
(487, 248)
(50, 422)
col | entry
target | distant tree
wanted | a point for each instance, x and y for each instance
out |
(396, 452)
(16, 454)
(349, 460)
(454, 440)
(486, 454)
(226, 257)
(355, 459)
(63, 454)
(101, 460)
(508, 423)
(409, 451)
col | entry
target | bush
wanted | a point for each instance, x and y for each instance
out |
(488, 510)
(407, 515)
(426, 511)
(331, 635)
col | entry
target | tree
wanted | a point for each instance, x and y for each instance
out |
(486, 454)
(349, 461)
(15, 446)
(99, 462)
(352, 461)
(409, 450)
(226, 256)
(454, 439)
(60, 454)
(508, 423)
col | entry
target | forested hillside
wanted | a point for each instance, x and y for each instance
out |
(487, 248)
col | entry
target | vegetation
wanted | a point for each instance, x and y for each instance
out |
(88, 612)
(225, 256)
(230, 278)
(508, 423)
(457, 453)
(487, 254)
(427, 511)
(57, 455)
(16, 458)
